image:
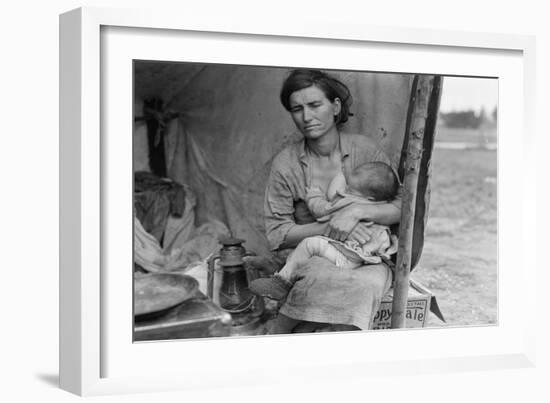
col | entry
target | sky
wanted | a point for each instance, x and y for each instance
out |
(460, 93)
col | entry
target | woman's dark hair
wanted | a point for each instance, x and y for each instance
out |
(331, 87)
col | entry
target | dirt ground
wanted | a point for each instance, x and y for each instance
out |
(459, 261)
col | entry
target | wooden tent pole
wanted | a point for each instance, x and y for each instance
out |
(420, 97)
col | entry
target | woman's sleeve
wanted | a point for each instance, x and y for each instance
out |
(278, 209)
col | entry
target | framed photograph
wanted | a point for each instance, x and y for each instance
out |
(169, 132)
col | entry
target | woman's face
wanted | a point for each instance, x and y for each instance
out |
(312, 112)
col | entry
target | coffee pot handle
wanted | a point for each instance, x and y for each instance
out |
(210, 275)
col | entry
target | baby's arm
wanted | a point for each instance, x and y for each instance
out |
(336, 186)
(323, 205)
(317, 202)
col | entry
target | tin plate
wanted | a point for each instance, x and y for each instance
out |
(158, 292)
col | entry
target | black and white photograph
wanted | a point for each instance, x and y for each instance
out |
(288, 201)
(285, 200)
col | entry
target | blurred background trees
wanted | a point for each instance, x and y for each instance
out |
(469, 118)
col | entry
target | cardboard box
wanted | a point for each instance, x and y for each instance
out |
(418, 308)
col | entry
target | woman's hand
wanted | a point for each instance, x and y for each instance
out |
(361, 233)
(342, 223)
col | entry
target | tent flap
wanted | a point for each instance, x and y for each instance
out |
(231, 124)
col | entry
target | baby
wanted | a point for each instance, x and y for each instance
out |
(370, 183)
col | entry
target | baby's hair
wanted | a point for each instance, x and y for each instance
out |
(376, 180)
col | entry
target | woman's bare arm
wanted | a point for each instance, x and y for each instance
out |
(384, 214)
(299, 232)
(344, 222)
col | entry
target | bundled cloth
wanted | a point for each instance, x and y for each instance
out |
(155, 200)
(184, 244)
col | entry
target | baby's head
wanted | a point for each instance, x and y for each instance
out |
(373, 180)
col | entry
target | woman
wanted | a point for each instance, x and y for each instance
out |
(319, 106)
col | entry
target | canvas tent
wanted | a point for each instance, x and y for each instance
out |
(225, 123)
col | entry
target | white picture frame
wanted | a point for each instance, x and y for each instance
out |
(96, 355)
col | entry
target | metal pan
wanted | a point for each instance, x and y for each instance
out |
(158, 292)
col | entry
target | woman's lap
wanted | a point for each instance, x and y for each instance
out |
(327, 294)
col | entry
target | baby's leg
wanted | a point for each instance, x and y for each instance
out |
(309, 247)
(315, 246)
(278, 286)
(331, 253)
